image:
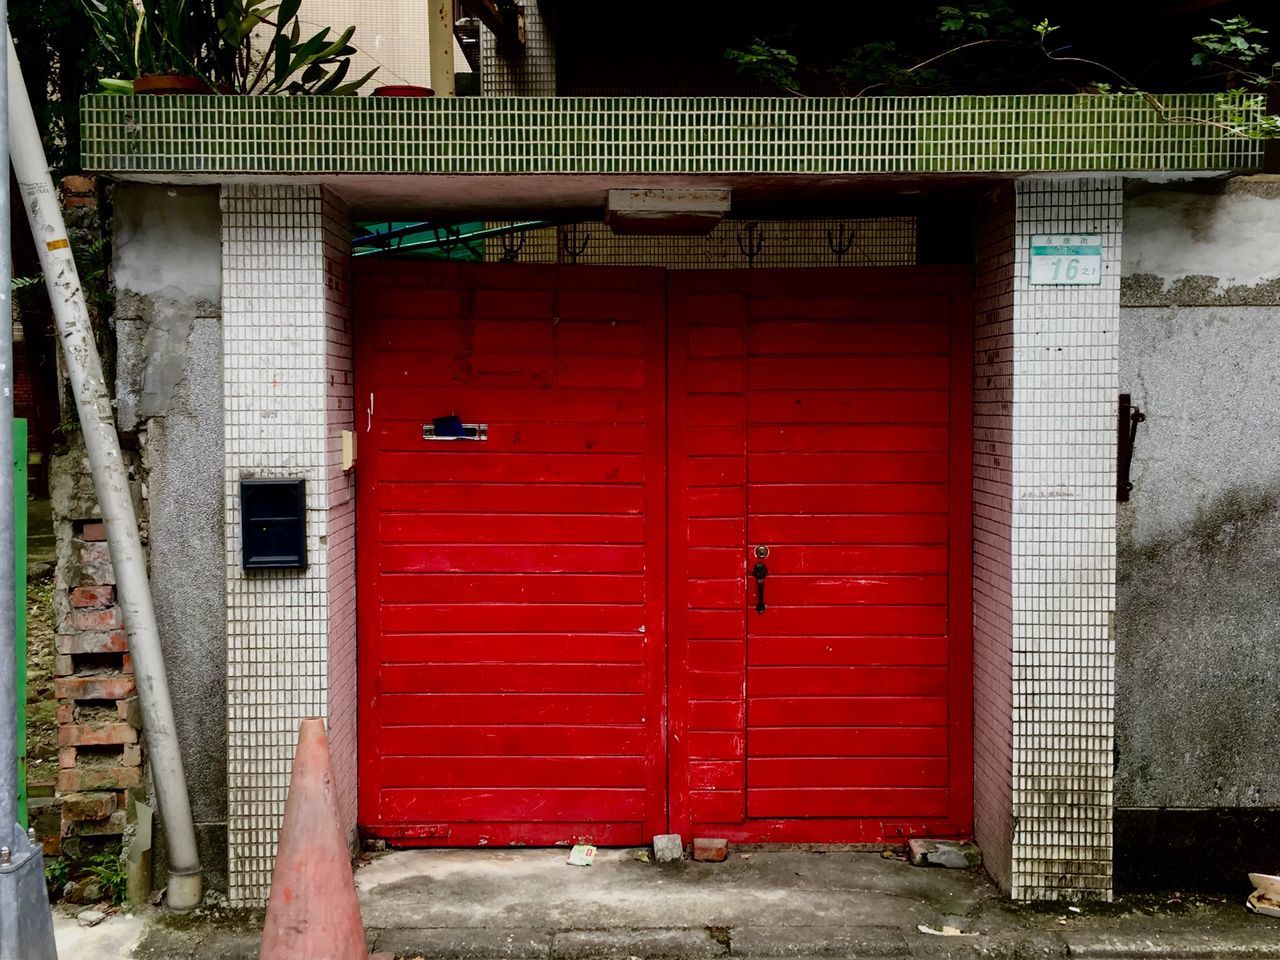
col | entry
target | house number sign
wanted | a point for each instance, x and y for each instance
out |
(1070, 259)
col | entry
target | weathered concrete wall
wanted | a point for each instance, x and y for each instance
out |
(167, 261)
(1198, 614)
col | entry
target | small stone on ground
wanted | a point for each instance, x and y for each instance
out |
(952, 854)
(668, 848)
(90, 918)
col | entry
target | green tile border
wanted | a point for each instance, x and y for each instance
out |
(215, 136)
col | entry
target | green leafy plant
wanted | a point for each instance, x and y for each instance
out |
(56, 874)
(286, 63)
(236, 46)
(108, 870)
(769, 65)
(152, 37)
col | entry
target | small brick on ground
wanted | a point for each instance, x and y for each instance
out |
(710, 850)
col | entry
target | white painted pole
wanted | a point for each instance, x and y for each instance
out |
(111, 482)
(440, 45)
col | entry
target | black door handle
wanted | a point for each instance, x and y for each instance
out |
(759, 571)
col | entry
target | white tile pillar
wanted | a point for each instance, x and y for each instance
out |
(287, 364)
(1065, 383)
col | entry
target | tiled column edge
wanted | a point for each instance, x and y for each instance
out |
(275, 373)
(1066, 349)
(992, 534)
(340, 364)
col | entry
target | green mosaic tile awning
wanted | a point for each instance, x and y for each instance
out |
(244, 136)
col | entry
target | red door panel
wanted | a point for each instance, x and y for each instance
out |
(827, 417)
(512, 591)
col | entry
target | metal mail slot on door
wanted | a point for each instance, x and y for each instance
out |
(452, 428)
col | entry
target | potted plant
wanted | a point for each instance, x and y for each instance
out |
(228, 46)
(262, 50)
(161, 46)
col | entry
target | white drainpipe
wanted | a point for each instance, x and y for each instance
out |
(111, 482)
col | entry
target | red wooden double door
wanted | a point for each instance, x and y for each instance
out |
(708, 570)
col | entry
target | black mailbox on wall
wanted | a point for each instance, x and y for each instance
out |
(273, 527)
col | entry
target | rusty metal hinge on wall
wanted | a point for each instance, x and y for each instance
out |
(1127, 424)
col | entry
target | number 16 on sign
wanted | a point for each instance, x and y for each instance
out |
(1066, 259)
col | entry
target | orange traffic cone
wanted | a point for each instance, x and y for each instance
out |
(312, 913)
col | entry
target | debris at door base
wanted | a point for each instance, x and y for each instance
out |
(581, 855)
(953, 854)
(710, 850)
(668, 848)
(1264, 900)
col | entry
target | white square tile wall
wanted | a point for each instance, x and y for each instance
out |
(286, 330)
(1065, 383)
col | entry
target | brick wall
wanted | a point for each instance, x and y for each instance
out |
(992, 525)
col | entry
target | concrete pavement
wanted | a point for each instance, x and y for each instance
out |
(530, 905)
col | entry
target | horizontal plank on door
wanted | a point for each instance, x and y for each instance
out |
(838, 438)
(406, 436)
(858, 560)
(846, 711)
(512, 618)
(501, 368)
(531, 772)
(707, 471)
(848, 802)
(716, 715)
(716, 440)
(898, 306)
(820, 741)
(437, 498)
(852, 467)
(716, 744)
(575, 647)
(512, 803)
(572, 740)
(843, 621)
(510, 588)
(917, 407)
(716, 502)
(841, 373)
(848, 651)
(715, 532)
(463, 463)
(846, 772)
(708, 562)
(490, 711)
(510, 528)
(816, 338)
(512, 404)
(716, 341)
(838, 589)
(809, 498)
(858, 528)
(586, 678)
(861, 681)
(436, 558)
